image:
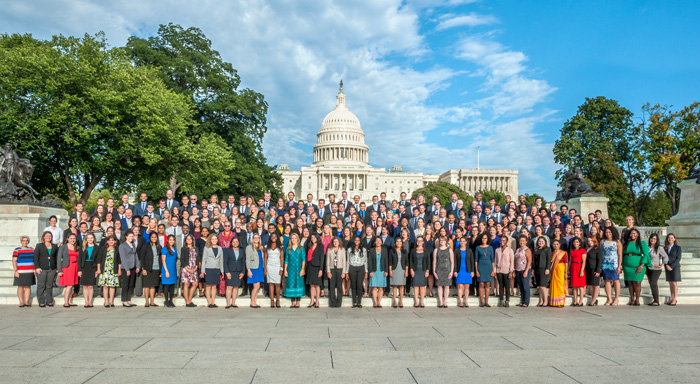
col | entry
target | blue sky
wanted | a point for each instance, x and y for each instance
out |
(429, 80)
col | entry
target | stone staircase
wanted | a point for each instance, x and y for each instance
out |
(689, 292)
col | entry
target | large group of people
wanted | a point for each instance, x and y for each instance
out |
(408, 247)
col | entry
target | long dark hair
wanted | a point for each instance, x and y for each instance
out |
(638, 242)
(658, 243)
(613, 231)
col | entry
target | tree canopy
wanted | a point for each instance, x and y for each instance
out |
(225, 115)
(443, 190)
(84, 115)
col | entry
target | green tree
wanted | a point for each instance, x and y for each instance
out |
(443, 190)
(531, 197)
(600, 128)
(673, 146)
(488, 194)
(607, 178)
(190, 66)
(658, 209)
(84, 115)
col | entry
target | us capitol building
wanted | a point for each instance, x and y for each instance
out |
(341, 163)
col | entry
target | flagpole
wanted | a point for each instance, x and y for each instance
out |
(478, 150)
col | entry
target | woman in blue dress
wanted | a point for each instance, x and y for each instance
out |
(254, 263)
(168, 271)
(485, 269)
(377, 265)
(464, 271)
(294, 270)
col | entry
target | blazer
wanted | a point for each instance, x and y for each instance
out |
(674, 257)
(208, 257)
(62, 257)
(129, 256)
(252, 260)
(175, 203)
(594, 259)
(102, 257)
(138, 211)
(82, 255)
(42, 259)
(318, 257)
(542, 258)
(146, 255)
(342, 261)
(372, 260)
(185, 256)
(233, 265)
(395, 259)
(413, 260)
(469, 259)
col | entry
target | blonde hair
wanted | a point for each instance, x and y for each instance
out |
(94, 240)
(208, 243)
(25, 237)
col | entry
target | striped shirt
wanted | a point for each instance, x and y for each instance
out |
(25, 259)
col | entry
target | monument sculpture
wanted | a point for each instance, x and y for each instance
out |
(695, 174)
(574, 185)
(15, 177)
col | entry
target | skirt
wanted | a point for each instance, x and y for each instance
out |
(378, 280)
(576, 280)
(674, 275)
(485, 269)
(88, 273)
(541, 278)
(24, 280)
(234, 281)
(212, 276)
(610, 275)
(152, 279)
(273, 270)
(591, 278)
(312, 275)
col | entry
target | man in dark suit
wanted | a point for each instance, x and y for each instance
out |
(413, 221)
(345, 201)
(243, 207)
(141, 207)
(126, 221)
(479, 200)
(587, 227)
(290, 201)
(260, 230)
(371, 221)
(547, 227)
(341, 214)
(323, 211)
(375, 204)
(403, 200)
(356, 202)
(362, 212)
(451, 207)
(382, 212)
(161, 209)
(100, 201)
(310, 202)
(192, 203)
(126, 203)
(382, 199)
(504, 208)
(77, 211)
(170, 201)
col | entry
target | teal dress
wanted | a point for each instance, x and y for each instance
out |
(484, 258)
(378, 280)
(171, 264)
(293, 283)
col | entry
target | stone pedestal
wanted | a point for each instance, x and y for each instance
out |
(25, 219)
(587, 204)
(686, 223)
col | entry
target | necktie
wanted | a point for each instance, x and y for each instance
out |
(175, 231)
(170, 204)
(143, 206)
(250, 237)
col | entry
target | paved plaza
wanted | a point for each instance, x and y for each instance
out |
(431, 345)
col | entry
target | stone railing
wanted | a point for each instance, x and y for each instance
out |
(645, 232)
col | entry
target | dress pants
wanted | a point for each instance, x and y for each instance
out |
(523, 283)
(44, 286)
(127, 283)
(653, 277)
(335, 288)
(503, 285)
(357, 277)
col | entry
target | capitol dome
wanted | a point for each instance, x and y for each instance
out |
(341, 139)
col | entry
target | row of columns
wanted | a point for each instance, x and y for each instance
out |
(353, 154)
(480, 183)
(349, 182)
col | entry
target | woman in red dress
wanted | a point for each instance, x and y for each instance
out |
(67, 259)
(577, 271)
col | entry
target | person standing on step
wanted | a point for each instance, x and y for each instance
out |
(45, 264)
(23, 267)
(505, 269)
(67, 259)
(168, 271)
(87, 267)
(336, 270)
(128, 252)
(212, 268)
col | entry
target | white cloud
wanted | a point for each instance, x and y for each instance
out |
(470, 20)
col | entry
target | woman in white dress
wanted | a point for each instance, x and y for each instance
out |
(273, 261)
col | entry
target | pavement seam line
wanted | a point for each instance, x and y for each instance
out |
(599, 355)
(332, 364)
(438, 332)
(43, 361)
(93, 376)
(505, 314)
(474, 321)
(268, 344)
(146, 342)
(191, 358)
(544, 330)
(411, 373)
(470, 358)
(564, 373)
(506, 339)
(648, 330)
(253, 378)
(591, 313)
(23, 341)
(392, 344)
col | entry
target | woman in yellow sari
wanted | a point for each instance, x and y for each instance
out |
(558, 268)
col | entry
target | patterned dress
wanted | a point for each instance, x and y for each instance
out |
(610, 260)
(294, 284)
(225, 240)
(108, 277)
(191, 277)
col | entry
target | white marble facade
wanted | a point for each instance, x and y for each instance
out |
(341, 163)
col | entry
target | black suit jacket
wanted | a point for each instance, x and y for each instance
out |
(231, 265)
(146, 256)
(395, 259)
(317, 257)
(674, 257)
(469, 259)
(413, 260)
